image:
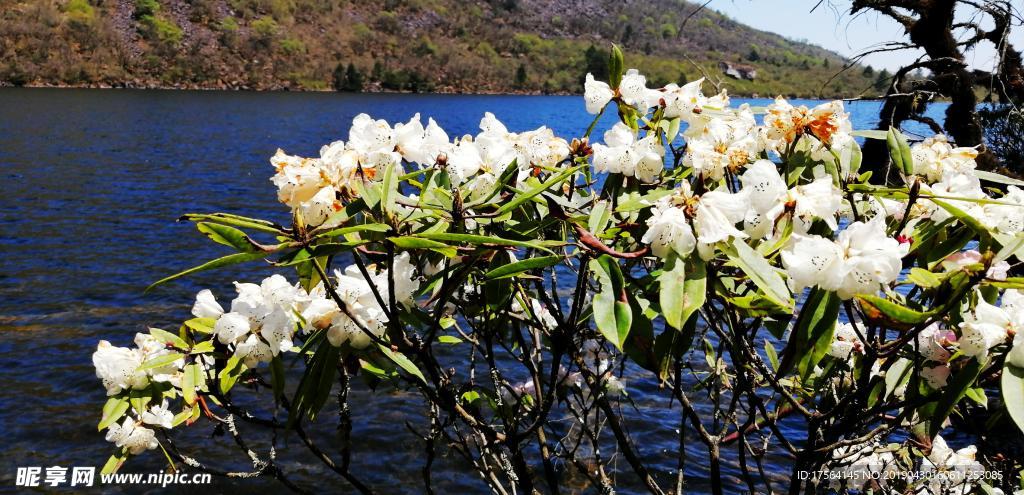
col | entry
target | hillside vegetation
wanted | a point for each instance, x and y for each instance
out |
(401, 45)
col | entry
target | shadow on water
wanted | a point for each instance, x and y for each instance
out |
(93, 183)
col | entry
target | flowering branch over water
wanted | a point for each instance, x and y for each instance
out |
(522, 286)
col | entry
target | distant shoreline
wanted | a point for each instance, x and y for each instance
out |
(442, 91)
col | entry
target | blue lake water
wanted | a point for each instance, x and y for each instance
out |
(93, 181)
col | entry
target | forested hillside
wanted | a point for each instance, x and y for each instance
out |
(403, 45)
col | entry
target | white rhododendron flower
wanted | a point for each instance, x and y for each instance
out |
(956, 186)
(131, 436)
(845, 342)
(624, 154)
(855, 467)
(714, 216)
(946, 471)
(419, 144)
(688, 101)
(722, 144)
(785, 123)
(158, 415)
(813, 261)
(935, 159)
(206, 305)
(931, 344)
(634, 92)
(1007, 215)
(861, 260)
(870, 257)
(117, 368)
(985, 327)
(596, 94)
(367, 136)
(769, 198)
(669, 230)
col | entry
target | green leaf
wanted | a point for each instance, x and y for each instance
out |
(762, 273)
(403, 362)
(406, 242)
(544, 186)
(389, 189)
(997, 178)
(113, 410)
(229, 375)
(160, 361)
(871, 134)
(612, 312)
(482, 240)
(681, 294)
(203, 347)
(201, 325)
(237, 221)
(168, 338)
(899, 150)
(616, 66)
(228, 236)
(366, 227)
(1012, 385)
(812, 333)
(880, 309)
(923, 278)
(513, 269)
(189, 384)
(963, 217)
(449, 339)
(773, 356)
(231, 259)
(114, 462)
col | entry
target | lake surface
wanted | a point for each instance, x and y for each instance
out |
(93, 181)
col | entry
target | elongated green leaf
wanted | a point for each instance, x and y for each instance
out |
(237, 221)
(389, 189)
(899, 150)
(188, 383)
(403, 362)
(231, 259)
(366, 227)
(160, 361)
(871, 134)
(532, 193)
(201, 325)
(681, 293)
(883, 310)
(228, 236)
(114, 462)
(963, 217)
(229, 375)
(168, 338)
(481, 240)
(612, 312)
(513, 269)
(113, 410)
(762, 273)
(1012, 385)
(407, 242)
(923, 278)
(812, 333)
(997, 178)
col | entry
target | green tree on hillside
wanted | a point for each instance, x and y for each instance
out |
(521, 76)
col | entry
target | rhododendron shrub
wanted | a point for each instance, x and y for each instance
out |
(520, 284)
